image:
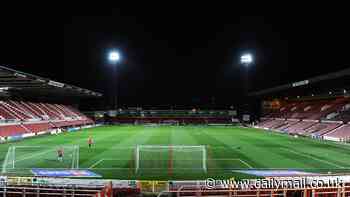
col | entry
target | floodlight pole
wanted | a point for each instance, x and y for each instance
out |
(246, 61)
(115, 75)
(114, 58)
(246, 79)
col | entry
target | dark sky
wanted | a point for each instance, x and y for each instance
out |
(177, 55)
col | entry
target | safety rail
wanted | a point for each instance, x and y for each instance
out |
(341, 191)
(48, 191)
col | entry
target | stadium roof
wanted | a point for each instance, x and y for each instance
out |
(17, 82)
(339, 79)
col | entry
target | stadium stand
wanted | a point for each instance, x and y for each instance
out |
(300, 127)
(343, 114)
(314, 117)
(323, 128)
(329, 108)
(129, 116)
(288, 123)
(312, 110)
(25, 117)
(182, 120)
(297, 111)
(52, 114)
(280, 113)
(342, 132)
(272, 123)
(321, 115)
(18, 113)
(264, 122)
(6, 115)
(278, 123)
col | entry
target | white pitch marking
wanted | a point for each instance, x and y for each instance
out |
(96, 163)
(314, 158)
(34, 155)
(249, 166)
(236, 159)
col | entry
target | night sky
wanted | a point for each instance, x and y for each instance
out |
(177, 55)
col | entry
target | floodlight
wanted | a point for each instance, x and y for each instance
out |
(246, 59)
(114, 56)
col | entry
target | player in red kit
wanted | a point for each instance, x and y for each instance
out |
(90, 141)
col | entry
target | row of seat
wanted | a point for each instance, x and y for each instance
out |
(309, 127)
(341, 132)
(22, 128)
(326, 118)
(315, 109)
(19, 117)
(24, 111)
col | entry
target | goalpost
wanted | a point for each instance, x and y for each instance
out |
(170, 157)
(24, 158)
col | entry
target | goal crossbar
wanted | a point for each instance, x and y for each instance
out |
(170, 146)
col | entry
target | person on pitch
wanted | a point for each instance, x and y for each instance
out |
(90, 141)
(60, 153)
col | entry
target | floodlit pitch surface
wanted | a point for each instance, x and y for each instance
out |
(227, 148)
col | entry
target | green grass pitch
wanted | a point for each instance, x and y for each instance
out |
(228, 149)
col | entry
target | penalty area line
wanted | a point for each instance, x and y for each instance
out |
(103, 159)
(314, 158)
(245, 163)
(234, 159)
(32, 156)
(96, 163)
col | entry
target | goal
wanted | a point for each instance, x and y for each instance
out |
(26, 158)
(170, 157)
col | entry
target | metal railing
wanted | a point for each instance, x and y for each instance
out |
(194, 191)
(48, 190)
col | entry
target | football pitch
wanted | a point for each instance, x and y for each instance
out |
(175, 152)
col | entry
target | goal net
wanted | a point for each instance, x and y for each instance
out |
(157, 157)
(26, 158)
